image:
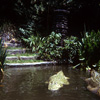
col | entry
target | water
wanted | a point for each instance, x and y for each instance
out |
(29, 84)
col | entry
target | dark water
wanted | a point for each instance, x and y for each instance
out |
(29, 84)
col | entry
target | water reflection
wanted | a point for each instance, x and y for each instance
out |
(29, 84)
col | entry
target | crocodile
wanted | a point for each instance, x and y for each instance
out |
(94, 82)
(57, 81)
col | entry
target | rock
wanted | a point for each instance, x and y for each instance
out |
(57, 81)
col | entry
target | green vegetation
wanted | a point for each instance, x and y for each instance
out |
(49, 48)
(23, 54)
(2, 55)
(12, 48)
(85, 52)
(33, 20)
(82, 52)
(38, 15)
(22, 61)
(33, 42)
(89, 52)
(70, 49)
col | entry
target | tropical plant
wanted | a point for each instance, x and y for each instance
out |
(2, 54)
(71, 49)
(34, 42)
(47, 47)
(89, 52)
(50, 49)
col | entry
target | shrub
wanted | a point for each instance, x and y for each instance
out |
(34, 42)
(71, 49)
(83, 53)
(47, 47)
(50, 49)
(89, 51)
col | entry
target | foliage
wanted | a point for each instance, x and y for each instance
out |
(2, 55)
(24, 33)
(49, 49)
(89, 52)
(84, 52)
(32, 12)
(71, 49)
(33, 42)
(38, 6)
(39, 14)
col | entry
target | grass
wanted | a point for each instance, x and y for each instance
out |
(22, 61)
(27, 53)
(15, 48)
(23, 54)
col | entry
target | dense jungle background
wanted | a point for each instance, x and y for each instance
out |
(33, 22)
